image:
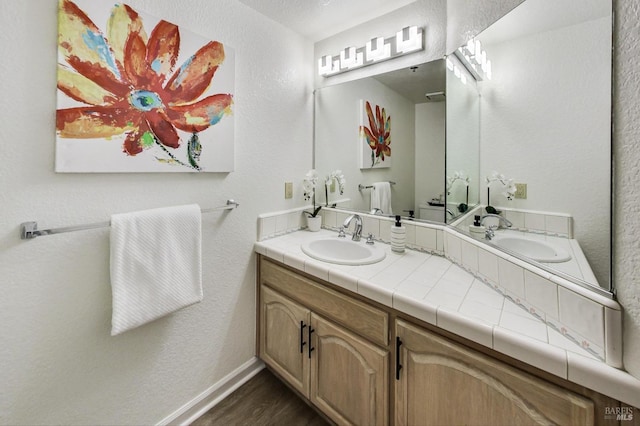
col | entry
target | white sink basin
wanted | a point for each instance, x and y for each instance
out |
(537, 250)
(343, 251)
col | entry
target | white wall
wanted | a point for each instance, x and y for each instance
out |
(58, 363)
(463, 137)
(627, 169)
(559, 104)
(430, 147)
(337, 123)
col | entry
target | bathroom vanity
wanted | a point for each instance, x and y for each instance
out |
(362, 362)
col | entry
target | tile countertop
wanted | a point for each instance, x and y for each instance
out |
(433, 289)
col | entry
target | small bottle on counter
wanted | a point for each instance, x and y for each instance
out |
(476, 230)
(398, 236)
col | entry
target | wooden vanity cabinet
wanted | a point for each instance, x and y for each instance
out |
(441, 382)
(339, 371)
(349, 376)
(363, 364)
(283, 338)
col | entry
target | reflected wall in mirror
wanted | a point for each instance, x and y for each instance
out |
(463, 140)
(546, 122)
(417, 139)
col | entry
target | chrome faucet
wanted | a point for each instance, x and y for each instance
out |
(490, 232)
(357, 230)
(506, 221)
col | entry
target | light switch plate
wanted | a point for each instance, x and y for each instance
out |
(521, 190)
(288, 190)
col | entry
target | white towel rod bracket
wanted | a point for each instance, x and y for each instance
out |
(28, 230)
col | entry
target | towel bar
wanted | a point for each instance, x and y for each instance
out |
(29, 230)
(361, 186)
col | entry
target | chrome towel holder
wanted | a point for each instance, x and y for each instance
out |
(29, 230)
(361, 186)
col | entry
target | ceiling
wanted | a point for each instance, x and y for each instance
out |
(319, 19)
(415, 82)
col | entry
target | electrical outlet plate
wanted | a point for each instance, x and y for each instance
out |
(521, 190)
(288, 190)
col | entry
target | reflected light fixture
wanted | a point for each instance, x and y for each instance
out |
(378, 49)
(474, 59)
(455, 66)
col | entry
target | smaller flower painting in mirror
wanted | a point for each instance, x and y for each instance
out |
(375, 136)
(140, 94)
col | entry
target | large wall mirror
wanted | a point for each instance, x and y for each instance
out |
(413, 102)
(544, 120)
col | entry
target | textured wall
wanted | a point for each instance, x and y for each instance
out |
(58, 363)
(467, 19)
(627, 175)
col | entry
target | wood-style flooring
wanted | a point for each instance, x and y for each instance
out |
(262, 401)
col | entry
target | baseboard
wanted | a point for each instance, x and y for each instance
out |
(208, 399)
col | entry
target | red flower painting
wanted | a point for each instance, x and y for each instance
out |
(378, 135)
(126, 84)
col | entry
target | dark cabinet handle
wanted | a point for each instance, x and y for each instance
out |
(398, 365)
(311, 349)
(302, 342)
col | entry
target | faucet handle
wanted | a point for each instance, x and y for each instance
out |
(489, 233)
(341, 233)
(370, 239)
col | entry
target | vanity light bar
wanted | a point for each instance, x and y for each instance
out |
(350, 58)
(378, 49)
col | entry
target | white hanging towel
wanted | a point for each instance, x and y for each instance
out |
(381, 197)
(156, 264)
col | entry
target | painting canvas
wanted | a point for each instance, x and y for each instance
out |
(140, 94)
(374, 136)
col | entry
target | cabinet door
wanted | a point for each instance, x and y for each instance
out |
(349, 376)
(284, 338)
(442, 382)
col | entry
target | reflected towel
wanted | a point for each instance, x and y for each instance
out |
(156, 264)
(381, 197)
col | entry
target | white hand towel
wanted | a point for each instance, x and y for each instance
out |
(381, 197)
(156, 264)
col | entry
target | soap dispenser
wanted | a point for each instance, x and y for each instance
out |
(398, 236)
(477, 230)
